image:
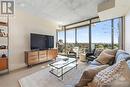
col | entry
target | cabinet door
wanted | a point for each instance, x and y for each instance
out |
(55, 53)
(42, 56)
(52, 54)
(32, 58)
(3, 63)
(32, 54)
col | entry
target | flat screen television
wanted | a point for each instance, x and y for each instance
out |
(41, 42)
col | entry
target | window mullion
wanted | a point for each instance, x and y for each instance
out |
(112, 37)
(75, 36)
(90, 39)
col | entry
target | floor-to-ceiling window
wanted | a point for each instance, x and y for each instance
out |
(70, 39)
(99, 34)
(83, 38)
(61, 41)
(116, 29)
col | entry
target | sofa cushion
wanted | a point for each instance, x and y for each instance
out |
(105, 58)
(91, 71)
(122, 55)
(106, 76)
(96, 67)
(89, 74)
(94, 62)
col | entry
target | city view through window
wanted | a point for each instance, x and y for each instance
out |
(103, 35)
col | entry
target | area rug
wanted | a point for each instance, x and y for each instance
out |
(45, 79)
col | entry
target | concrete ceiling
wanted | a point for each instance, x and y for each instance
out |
(61, 11)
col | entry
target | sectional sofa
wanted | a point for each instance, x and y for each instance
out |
(110, 69)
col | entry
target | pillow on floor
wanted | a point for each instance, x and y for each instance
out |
(106, 76)
(105, 58)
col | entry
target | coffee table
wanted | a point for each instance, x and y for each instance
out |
(59, 68)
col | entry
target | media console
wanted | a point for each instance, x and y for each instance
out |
(36, 57)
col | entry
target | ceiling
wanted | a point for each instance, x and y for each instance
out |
(61, 11)
(120, 8)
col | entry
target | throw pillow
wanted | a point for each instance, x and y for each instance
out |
(110, 51)
(106, 76)
(104, 58)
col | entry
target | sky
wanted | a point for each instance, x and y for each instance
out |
(101, 33)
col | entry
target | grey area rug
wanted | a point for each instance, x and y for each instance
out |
(45, 79)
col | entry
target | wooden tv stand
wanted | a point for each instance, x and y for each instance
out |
(36, 57)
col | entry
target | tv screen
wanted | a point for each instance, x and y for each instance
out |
(50, 42)
(41, 42)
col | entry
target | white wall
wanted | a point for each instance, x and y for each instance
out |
(127, 32)
(21, 25)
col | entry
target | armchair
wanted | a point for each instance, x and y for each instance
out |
(72, 55)
(90, 56)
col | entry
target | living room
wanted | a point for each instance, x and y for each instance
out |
(68, 29)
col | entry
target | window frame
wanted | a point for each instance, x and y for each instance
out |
(64, 28)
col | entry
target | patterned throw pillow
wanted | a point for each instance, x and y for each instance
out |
(105, 77)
